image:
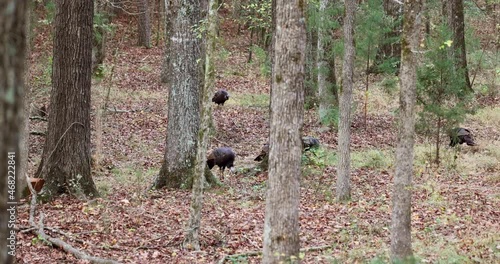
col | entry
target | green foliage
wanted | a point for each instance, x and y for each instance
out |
(372, 159)
(256, 14)
(330, 117)
(262, 60)
(50, 8)
(371, 31)
(390, 85)
(102, 25)
(441, 89)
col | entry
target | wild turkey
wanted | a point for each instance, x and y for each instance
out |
(461, 135)
(263, 153)
(308, 143)
(220, 97)
(222, 157)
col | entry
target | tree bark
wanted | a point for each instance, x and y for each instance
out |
(344, 141)
(281, 226)
(12, 65)
(401, 249)
(65, 162)
(144, 25)
(193, 228)
(185, 81)
(455, 18)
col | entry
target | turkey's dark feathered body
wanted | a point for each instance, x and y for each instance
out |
(263, 153)
(308, 143)
(222, 157)
(220, 97)
(461, 135)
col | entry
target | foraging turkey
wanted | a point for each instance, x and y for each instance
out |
(460, 135)
(308, 143)
(220, 97)
(263, 153)
(222, 157)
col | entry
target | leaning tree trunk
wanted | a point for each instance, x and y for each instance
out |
(191, 239)
(12, 56)
(65, 162)
(185, 80)
(144, 25)
(401, 249)
(455, 18)
(281, 225)
(344, 141)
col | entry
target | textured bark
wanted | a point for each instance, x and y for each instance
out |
(144, 25)
(281, 226)
(65, 162)
(191, 239)
(454, 11)
(164, 77)
(12, 65)
(344, 141)
(325, 63)
(185, 80)
(24, 134)
(401, 248)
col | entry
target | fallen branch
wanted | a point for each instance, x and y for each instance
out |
(258, 253)
(55, 241)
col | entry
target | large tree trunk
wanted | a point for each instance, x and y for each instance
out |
(281, 226)
(65, 162)
(454, 11)
(344, 141)
(144, 25)
(325, 63)
(401, 249)
(185, 80)
(193, 229)
(12, 65)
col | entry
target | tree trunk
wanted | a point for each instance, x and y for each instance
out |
(21, 181)
(12, 65)
(144, 25)
(185, 81)
(65, 162)
(168, 31)
(401, 249)
(325, 62)
(191, 239)
(281, 226)
(455, 17)
(344, 141)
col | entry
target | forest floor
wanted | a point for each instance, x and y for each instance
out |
(455, 207)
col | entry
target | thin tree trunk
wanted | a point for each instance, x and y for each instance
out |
(344, 141)
(65, 162)
(144, 25)
(13, 38)
(193, 228)
(281, 225)
(401, 249)
(454, 11)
